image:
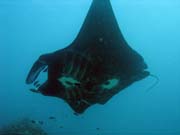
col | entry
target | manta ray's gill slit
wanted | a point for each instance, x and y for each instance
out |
(76, 66)
(73, 64)
(68, 63)
(83, 71)
(71, 87)
(75, 72)
(72, 91)
(77, 95)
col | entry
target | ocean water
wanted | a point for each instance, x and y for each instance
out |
(29, 28)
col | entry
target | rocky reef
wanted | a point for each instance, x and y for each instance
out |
(22, 127)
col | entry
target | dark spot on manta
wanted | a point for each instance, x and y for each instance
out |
(52, 117)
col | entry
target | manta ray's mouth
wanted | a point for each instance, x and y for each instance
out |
(40, 79)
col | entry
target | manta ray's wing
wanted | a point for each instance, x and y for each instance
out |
(97, 65)
(101, 39)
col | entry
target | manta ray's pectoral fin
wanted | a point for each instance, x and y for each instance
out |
(37, 67)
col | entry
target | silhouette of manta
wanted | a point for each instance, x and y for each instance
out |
(94, 67)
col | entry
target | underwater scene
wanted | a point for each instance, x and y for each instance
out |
(90, 67)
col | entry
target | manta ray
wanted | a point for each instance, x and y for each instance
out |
(97, 65)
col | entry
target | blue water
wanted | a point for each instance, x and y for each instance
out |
(29, 28)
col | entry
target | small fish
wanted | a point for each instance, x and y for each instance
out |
(33, 121)
(97, 128)
(61, 127)
(41, 122)
(52, 118)
(75, 113)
